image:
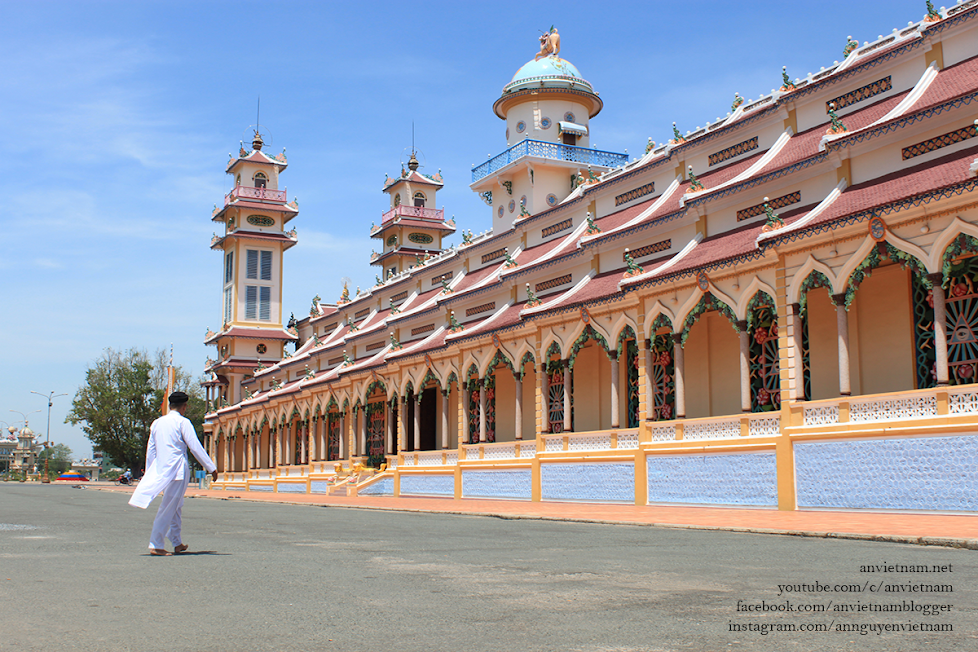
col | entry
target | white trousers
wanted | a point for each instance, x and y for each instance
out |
(168, 520)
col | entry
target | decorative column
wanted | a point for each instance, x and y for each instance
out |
(798, 354)
(417, 421)
(518, 430)
(482, 409)
(615, 418)
(680, 374)
(343, 422)
(227, 454)
(940, 328)
(444, 418)
(401, 430)
(842, 324)
(649, 389)
(249, 441)
(278, 445)
(744, 366)
(567, 395)
(388, 427)
(544, 398)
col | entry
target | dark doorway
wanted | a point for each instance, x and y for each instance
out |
(429, 419)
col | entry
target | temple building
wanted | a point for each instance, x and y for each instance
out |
(778, 310)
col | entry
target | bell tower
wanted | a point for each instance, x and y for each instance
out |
(547, 108)
(253, 239)
(412, 228)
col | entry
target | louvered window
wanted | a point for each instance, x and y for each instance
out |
(228, 266)
(251, 302)
(264, 303)
(258, 303)
(227, 305)
(253, 264)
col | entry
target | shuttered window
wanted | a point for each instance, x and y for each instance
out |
(265, 303)
(228, 267)
(258, 303)
(253, 264)
(251, 301)
(227, 305)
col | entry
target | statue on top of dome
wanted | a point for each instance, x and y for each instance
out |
(549, 44)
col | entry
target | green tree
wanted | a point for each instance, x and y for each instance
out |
(123, 394)
(59, 458)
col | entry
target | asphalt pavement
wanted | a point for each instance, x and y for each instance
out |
(75, 575)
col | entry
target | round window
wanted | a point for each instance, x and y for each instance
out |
(551, 199)
(520, 126)
(512, 205)
(568, 117)
(262, 349)
(545, 123)
(500, 211)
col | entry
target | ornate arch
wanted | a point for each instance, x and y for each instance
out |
(707, 302)
(873, 260)
(429, 376)
(527, 357)
(589, 333)
(500, 358)
(625, 333)
(376, 384)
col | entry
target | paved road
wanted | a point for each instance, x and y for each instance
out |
(74, 575)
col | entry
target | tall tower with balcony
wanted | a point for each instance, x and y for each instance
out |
(254, 219)
(547, 108)
(413, 227)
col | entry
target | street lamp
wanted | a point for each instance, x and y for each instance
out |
(25, 415)
(50, 398)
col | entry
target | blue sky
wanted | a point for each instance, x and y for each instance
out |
(118, 118)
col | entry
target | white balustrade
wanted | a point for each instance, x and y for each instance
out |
(429, 459)
(963, 401)
(665, 432)
(764, 426)
(528, 450)
(720, 429)
(451, 459)
(589, 442)
(892, 409)
(554, 444)
(500, 452)
(628, 440)
(821, 415)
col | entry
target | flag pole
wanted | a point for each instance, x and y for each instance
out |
(169, 384)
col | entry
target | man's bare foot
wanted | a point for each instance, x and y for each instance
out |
(181, 548)
(158, 552)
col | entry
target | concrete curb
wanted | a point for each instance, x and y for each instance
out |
(946, 542)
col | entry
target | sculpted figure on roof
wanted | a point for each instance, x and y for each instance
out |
(549, 44)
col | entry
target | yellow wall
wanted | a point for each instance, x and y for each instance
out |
(529, 402)
(592, 389)
(823, 345)
(881, 351)
(712, 368)
(505, 404)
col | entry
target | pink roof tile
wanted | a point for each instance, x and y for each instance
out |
(942, 172)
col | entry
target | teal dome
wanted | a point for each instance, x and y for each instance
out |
(549, 72)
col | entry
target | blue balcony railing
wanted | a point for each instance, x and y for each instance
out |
(555, 151)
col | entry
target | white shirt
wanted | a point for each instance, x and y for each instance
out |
(170, 437)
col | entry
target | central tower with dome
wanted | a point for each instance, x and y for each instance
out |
(547, 107)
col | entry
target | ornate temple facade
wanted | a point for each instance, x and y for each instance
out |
(779, 309)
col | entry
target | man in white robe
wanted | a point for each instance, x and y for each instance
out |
(167, 470)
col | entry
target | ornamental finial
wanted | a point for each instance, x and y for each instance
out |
(634, 269)
(850, 46)
(774, 222)
(738, 100)
(694, 183)
(549, 44)
(837, 126)
(531, 298)
(786, 83)
(676, 136)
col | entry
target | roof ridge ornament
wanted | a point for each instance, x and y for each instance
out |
(837, 126)
(549, 44)
(738, 100)
(850, 46)
(676, 136)
(694, 184)
(774, 222)
(786, 84)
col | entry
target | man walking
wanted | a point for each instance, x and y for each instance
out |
(167, 470)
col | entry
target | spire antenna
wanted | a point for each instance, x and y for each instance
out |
(258, 115)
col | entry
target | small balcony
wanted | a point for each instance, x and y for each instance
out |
(552, 151)
(414, 213)
(258, 194)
